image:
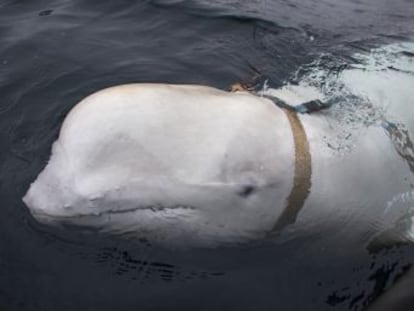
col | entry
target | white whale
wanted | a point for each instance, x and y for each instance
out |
(197, 166)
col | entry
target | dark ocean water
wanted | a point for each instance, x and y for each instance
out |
(54, 53)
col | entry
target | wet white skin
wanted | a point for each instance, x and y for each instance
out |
(193, 165)
(169, 163)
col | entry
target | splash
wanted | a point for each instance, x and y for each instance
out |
(365, 89)
(385, 77)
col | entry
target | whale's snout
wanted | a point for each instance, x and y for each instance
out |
(41, 204)
(50, 196)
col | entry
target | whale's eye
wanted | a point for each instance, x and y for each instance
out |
(246, 190)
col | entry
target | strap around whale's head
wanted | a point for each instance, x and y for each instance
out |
(302, 176)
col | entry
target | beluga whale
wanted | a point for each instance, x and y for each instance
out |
(192, 165)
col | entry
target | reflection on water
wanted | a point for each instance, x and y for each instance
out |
(52, 54)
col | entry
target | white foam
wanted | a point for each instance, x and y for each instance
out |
(386, 79)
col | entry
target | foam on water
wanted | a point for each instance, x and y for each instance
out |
(378, 87)
(386, 79)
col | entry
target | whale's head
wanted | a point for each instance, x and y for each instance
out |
(169, 163)
(161, 211)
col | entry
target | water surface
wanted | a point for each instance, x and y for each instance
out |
(54, 53)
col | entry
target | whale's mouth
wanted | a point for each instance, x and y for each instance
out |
(93, 215)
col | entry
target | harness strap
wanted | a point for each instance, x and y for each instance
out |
(311, 106)
(303, 173)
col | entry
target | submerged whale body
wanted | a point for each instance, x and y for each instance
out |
(194, 165)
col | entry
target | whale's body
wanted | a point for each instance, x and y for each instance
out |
(194, 165)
